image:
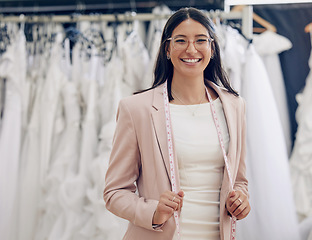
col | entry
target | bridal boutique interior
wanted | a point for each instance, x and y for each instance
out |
(64, 67)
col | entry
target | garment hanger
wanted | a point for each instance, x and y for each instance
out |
(308, 28)
(216, 15)
(129, 16)
(130, 23)
(267, 25)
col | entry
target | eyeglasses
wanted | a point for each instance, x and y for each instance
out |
(181, 43)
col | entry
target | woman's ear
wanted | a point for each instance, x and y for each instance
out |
(168, 55)
(167, 51)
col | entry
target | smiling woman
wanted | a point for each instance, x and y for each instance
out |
(173, 143)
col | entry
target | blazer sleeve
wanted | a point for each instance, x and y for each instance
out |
(123, 170)
(241, 182)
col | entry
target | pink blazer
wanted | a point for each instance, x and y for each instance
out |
(139, 162)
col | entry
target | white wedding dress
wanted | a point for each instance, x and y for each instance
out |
(13, 70)
(266, 161)
(268, 45)
(300, 160)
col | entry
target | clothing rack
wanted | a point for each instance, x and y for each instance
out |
(262, 2)
(245, 15)
(106, 6)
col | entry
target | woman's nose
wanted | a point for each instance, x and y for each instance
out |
(191, 47)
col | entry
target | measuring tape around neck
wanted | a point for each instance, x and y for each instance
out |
(171, 156)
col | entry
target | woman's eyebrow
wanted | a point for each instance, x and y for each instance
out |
(180, 35)
(198, 35)
(201, 35)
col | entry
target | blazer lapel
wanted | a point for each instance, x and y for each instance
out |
(159, 122)
(230, 112)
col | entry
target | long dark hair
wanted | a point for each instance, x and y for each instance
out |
(164, 68)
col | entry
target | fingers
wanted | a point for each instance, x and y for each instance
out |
(237, 204)
(232, 194)
(181, 193)
(164, 208)
(242, 207)
(172, 200)
(243, 213)
(232, 201)
(168, 203)
(176, 201)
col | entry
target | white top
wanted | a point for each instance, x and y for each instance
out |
(201, 166)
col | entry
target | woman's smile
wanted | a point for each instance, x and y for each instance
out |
(191, 60)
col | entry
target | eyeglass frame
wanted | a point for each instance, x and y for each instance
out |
(210, 40)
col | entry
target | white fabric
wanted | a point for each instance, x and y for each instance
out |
(13, 69)
(149, 74)
(102, 224)
(306, 228)
(135, 54)
(64, 157)
(89, 142)
(2, 94)
(273, 211)
(49, 105)
(111, 92)
(300, 161)
(156, 25)
(233, 49)
(30, 185)
(268, 45)
(36, 166)
(62, 167)
(201, 166)
(153, 42)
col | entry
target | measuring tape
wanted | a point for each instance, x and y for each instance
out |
(171, 156)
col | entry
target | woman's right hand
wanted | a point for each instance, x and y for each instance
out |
(168, 203)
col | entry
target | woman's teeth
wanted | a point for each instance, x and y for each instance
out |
(191, 60)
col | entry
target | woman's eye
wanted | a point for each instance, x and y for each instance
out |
(180, 41)
(201, 41)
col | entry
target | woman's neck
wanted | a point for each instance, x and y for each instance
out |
(189, 90)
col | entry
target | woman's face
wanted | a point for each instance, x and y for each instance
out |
(191, 61)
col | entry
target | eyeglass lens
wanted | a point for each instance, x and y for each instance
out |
(201, 43)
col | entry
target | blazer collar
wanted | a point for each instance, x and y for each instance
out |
(158, 99)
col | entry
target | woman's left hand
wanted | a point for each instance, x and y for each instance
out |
(237, 204)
